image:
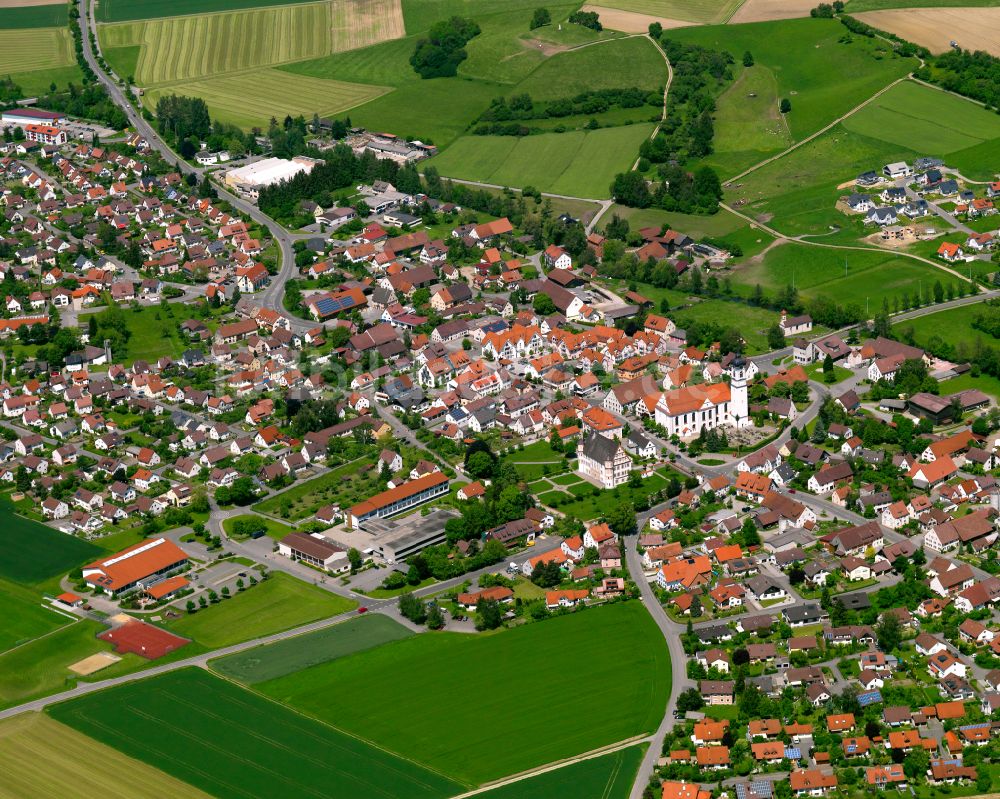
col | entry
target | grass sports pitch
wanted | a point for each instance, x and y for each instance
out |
(41, 757)
(520, 677)
(231, 742)
(292, 655)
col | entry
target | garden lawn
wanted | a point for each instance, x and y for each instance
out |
(278, 603)
(576, 163)
(520, 675)
(41, 757)
(33, 552)
(537, 452)
(274, 529)
(587, 506)
(23, 617)
(345, 485)
(605, 777)
(920, 118)
(154, 332)
(231, 742)
(292, 655)
(822, 77)
(985, 383)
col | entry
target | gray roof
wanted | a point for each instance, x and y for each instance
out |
(600, 449)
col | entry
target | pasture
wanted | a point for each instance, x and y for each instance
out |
(24, 618)
(294, 654)
(823, 77)
(41, 757)
(927, 120)
(605, 777)
(519, 673)
(278, 603)
(231, 742)
(576, 163)
(820, 272)
(706, 12)
(30, 50)
(251, 98)
(33, 552)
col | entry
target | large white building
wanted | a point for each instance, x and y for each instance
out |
(250, 179)
(686, 412)
(604, 460)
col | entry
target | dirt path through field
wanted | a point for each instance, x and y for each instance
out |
(935, 28)
(633, 22)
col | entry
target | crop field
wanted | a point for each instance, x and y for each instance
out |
(123, 10)
(873, 5)
(231, 742)
(28, 50)
(768, 10)
(34, 552)
(605, 777)
(537, 721)
(251, 98)
(41, 757)
(23, 618)
(820, 272)
(822, 77)
(577, 163)
(294, 654)
(345, 485)
(927, 120)
(936, 28)
(34, 15)
(41, 667)
(702, 11)
(279, 603)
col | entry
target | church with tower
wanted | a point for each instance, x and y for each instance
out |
(686, 412)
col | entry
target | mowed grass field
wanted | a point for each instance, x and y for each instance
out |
(801, 59)
(702, 11)
(231, 742)
(32, 49)
(33, 552)
(953, 326)
(605, 777)
(927, 120)
(576, 163)
(279, 603)
(286, 657)
(49, 15)
(24, 618)
(522, 716)
(41, 757)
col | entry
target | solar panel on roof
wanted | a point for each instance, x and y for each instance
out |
(869, 698)
(762, 788)
(793, 753)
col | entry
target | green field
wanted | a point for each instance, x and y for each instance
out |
(520, 676)
(279, 603)
(820, 271)
(276, 530)
(41, 667)
(605, 777)
(927, 120)
(985, 383)
(33, 49)
(577, 163)
(953, 326)
(33, 552)
(856, 6)
(122, 10)
(800, 59)
(231, 742)
(153, 332)
(23, 618)
(704, 11)
(50, 16)
(292, 655)
(41, 757)
(345, 485)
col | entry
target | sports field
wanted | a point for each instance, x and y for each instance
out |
(294, 654)
(927, 120)
(278, 603)
(577, 163)
(31, 49)
(252, 98)
(521, 701)
(801, 59)
(41, 757)
(23, 618)
(703, 11)
(34, 552)
(231, 742)
(606, 777)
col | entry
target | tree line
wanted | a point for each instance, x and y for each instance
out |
(438, 54)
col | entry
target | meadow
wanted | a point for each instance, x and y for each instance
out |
(927, 120)
(153, 333)
(952, 326)
(52, 15)
(33, 49)
(41, 757)
(520, 677)
(231, 742)
(24, 618)
(576, 163)
(820, 272)
(703, 11)
(33, 552)
(605, 777)
(278, 603)
(344, 485)
(800, 59)
(276, 530)
(294, 654)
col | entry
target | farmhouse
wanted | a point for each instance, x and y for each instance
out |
(139, 566)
